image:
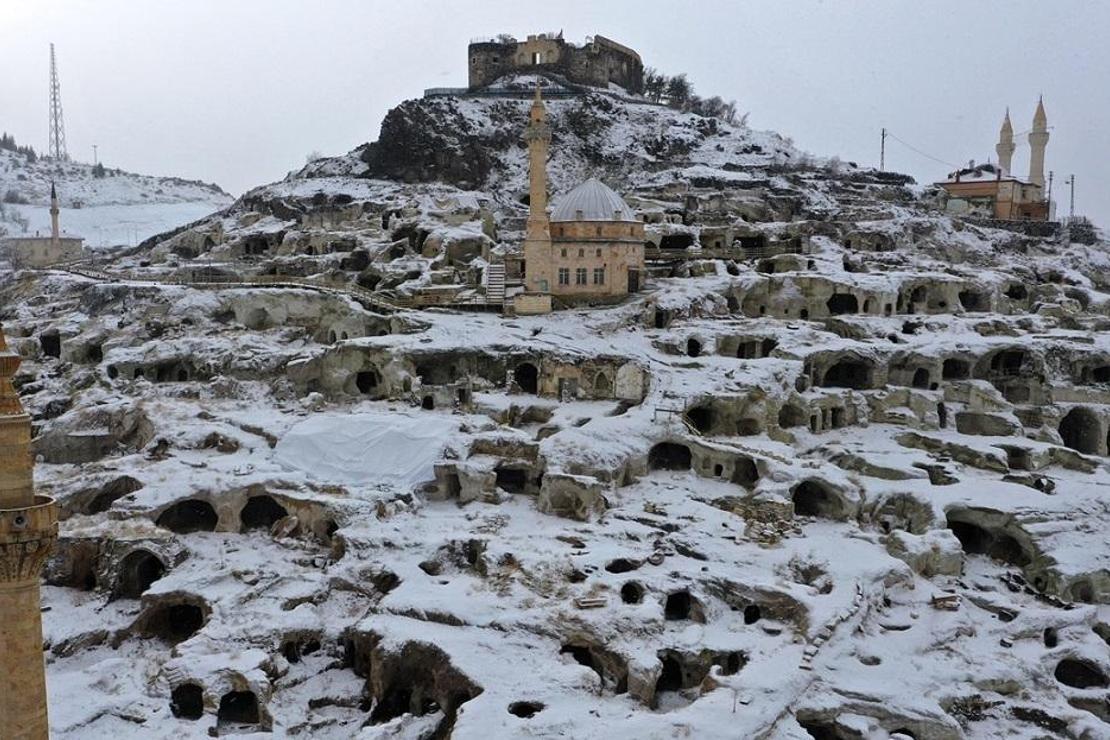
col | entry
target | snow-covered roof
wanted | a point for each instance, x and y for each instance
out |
(982, 173)
(593, 200)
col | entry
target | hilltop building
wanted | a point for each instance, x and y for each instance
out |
(991, 191)
(28, 531)
(43, 251)
(590, 248)
(597, 62)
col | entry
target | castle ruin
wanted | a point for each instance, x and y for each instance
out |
(597, 62)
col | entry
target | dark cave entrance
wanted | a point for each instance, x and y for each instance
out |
(853, 374)
(1081, 431)
(261, 512)
(111, 492)
(137, 572)
(512, 480)
(237, 708)
(527, 377)
(187, 701)
(977, 540)
(367, 381)
(814, 499)
(173, 623)
(51, 344)
(842, 303)
(188, 516)
(669, 456)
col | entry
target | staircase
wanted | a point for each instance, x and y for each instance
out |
(495, 283)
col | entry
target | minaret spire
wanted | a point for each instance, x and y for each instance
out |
(55, 230)
(1038, 140)
(28, 530)
(1006, 146)
(538, 136)
(537, 239)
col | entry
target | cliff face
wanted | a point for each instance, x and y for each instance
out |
(433, 140)
(475, 143)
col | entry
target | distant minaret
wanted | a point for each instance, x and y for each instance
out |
(1038, 140)
(1006, 146)
(537, 239)
(28, 530)
(55, 230)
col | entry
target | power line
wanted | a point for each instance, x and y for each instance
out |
(923, 154)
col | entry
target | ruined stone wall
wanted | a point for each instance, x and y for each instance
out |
(596, 63)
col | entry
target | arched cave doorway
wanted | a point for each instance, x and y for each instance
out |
(669, 456)
(188, 516)
(261, 512)
(527, 377)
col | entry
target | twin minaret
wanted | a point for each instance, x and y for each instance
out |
(1038, 141)
(28, 531)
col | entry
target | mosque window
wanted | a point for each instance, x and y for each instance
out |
(563, 252)
(564, 276)
(598, 252)
(580, 276)
(599, 276)
(581, 252)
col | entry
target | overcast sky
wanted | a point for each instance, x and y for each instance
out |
(239, 91)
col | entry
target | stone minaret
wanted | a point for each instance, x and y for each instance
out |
(537, 239)
(28, 530)
(55, 231)
(1038, 140)
(1006, 146)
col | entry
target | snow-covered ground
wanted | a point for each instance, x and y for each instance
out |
(114, 225)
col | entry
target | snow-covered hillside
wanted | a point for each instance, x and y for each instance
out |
(839, 471)
(114, 208)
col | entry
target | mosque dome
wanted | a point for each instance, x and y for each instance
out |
(593, 200)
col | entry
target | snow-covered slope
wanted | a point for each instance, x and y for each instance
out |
(106, 206)
(839, 471)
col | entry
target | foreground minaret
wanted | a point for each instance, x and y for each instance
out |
(537, 238)
(1038, 140)
(28, 530)
(1006, 146)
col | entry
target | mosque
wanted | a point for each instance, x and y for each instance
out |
(589, 249)
(991, 191)
(43, 251)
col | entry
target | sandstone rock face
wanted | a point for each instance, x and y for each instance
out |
(573, 497)
(935, 553)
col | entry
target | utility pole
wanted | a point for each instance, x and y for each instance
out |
(1048, 197)
(1071, 206)
(882, 151)
(97, 161)
(57, 144)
